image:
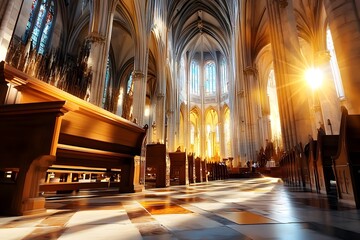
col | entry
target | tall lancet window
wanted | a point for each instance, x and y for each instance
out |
(224, 76)
(107, 83)
(334, 65)
(129, 87)
(40, 25)
(194, 78)
(210, 78)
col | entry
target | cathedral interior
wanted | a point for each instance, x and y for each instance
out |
(237, 119)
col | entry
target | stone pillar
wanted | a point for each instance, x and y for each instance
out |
(293, 103)
(139, 98)
(144, 19)
(101, 22)
(160, 118)
(9, 12)
(171, 126)
(220, 110)
(252, 112)
(344, 22)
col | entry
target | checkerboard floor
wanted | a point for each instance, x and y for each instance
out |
(261, 208)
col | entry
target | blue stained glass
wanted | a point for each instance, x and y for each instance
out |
(40, 23)
(47, 28)
(29, 23)
(129, 84)
(194, 78)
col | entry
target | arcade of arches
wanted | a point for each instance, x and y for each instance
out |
(215, 78)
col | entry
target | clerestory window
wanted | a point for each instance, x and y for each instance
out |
(210, 78)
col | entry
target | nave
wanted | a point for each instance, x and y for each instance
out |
(260, 208)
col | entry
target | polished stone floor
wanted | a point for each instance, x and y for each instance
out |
(261, 208)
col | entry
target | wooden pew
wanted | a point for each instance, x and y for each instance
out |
(347, 160)
(326, 148)
(312, 163)
(302, 166)
(204, 171)
(191, 162)
(51, 127)
(198, 170)
(158, 159)
(179, 167)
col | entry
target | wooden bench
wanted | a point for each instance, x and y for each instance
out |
(312, 164)
(199, 170)
(347, 160)
(192, 171)
(51, 127)
(326, 148)
(158, 160)
(179, 167)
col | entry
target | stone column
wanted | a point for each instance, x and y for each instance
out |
(100, 29)
(252, 101)
(139, 82)
(293, 103)
(171, 137)
(344, 22)
(160, 118)
(9, 12)
(143, 22)
(221, 120)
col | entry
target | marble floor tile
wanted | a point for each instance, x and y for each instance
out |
(245, 217)
(233, 209)
(293, 231)
(181, 222)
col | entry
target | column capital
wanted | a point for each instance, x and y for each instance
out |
(249, 70)
(95, 37)
(283, 3)
(322, 57)
(137, 74)
(160, 95)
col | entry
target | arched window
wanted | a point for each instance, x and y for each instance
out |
(276, 135)
(129, 86)
(334, 65)
(40, 24)
(194, 78)
(210, 78)
(224, 76)
(107, 81)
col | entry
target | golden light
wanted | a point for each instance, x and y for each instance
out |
(314, 77)
(147, 111)
(3, 52)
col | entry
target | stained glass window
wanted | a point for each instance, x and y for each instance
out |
(30, 22)
(47, 28)
(39, 26)
(129, 85)
(194, 78)
(210, 78)
(107, 81)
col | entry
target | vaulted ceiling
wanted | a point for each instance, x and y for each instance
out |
(200, 25)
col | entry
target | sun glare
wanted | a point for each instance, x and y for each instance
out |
(314, 77)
